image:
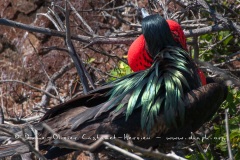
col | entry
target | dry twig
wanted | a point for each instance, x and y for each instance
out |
(228, 135)
(106, 140)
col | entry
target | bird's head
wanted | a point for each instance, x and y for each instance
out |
(157, 34)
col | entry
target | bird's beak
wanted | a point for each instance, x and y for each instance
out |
(144, 13)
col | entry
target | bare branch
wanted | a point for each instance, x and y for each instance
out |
(118, 149)
(1, 108)
(81, 19)
(55, 76)
(227, 61)
(145, 152)
(52, 20)
(65, 143)
(195, 47)
(24, 120)
(230, 79)
(77, 61)
(59, 22)
(40, 61)
(199, 146)
(219, 42)
(206, 30)
(81, 38)
(74, 145)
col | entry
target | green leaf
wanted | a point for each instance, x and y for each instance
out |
(226, 41)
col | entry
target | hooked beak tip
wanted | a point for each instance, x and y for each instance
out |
(144, 13)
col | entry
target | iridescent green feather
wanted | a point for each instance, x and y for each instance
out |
(135, 98)
(159, 88)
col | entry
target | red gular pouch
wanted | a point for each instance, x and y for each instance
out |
(138, 58)
(177, 33)
(202, 77)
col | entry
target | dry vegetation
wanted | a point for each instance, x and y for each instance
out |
(37, 71)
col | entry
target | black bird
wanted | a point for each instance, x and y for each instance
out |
(165, 100)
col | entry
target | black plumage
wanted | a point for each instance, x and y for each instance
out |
(166, 100)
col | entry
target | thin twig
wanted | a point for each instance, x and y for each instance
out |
(60, 23)
(36, 139)
(227, 61)
(206, 30)
(65, 143)
(145, 152)
(214, 45)
(55, 76)
(52, 20)
(23, 120)
(40, 61)
(40, 90)
(195, 47)
(199, 146)
(81, 19)
(193, 21)
(81, 38)
(47, 49)
(1, 108)
(228, 135)
(104, 40)
(78, 63)
(26, 142)
(191, 26)
(74, 145)
(129, 4)
(228, 77)
(124, 152)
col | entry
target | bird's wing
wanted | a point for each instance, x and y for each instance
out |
(89, 100)
(204, 102)
(200, 105)
(160, 88)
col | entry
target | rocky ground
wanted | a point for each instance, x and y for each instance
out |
(32, 59)
(28, 58)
